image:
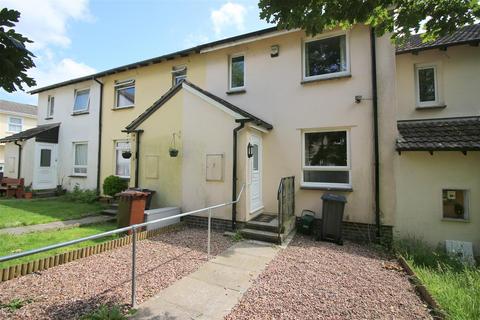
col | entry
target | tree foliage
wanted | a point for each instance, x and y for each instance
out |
(399, 17)
(15, 59)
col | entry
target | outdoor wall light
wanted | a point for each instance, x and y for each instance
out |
(274, 51)
(249, 150)
(358, 99)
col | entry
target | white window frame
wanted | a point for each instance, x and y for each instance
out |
(466, 214)
(50, 110)
(75, 99)
(348, 167)
(124, 84)
(323, 37)
(230, 70)
(74, 166)
(121, 149)
(419, 67)
(14, 124)
(175, 73)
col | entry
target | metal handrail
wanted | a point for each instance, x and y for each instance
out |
(132, 228)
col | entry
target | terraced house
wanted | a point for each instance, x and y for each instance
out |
(257, 109)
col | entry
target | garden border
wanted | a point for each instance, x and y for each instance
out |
(15, 271)
(425, 295)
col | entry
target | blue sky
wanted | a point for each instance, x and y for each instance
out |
(73, 38)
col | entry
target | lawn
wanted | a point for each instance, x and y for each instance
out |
(15, 213)
(10, 244)
(455, 286)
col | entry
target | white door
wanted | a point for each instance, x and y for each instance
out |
(45, 166)
(255, 173)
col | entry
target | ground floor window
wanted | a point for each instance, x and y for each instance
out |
(455, 204)
(80, 158)
(122, 165)
(1, 167)
(326, 159)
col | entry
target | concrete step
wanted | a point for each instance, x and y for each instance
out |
(44, 193)
(110, 212)
(264, 226)
(260, 235)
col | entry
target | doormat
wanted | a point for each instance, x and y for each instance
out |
(264, 218)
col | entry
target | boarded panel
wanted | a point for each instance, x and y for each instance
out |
(215, 167)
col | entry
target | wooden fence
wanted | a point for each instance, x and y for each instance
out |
(25, 268)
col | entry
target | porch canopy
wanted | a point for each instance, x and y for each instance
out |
(448, 134)
(42, 133)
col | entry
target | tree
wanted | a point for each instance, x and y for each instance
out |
(15, 59)
(400, 17)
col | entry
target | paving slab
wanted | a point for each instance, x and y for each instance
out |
(57, 225)
(214, 289)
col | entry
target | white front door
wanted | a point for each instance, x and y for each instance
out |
(255, 173)
(45, 166)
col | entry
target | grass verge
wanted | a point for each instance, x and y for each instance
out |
(10, 244)
(16, 213)
(455, 286)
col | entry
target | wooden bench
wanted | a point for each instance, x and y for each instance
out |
(11, 187)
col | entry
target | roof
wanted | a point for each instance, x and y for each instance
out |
(169, 56)
(15, 107)
(30, 133)
(449, 134)
(464, 35)
(173, 90)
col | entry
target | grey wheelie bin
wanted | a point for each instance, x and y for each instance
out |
(332, 216)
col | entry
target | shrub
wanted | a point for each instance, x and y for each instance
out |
(83, 196)
(105, 313)
(113, 185)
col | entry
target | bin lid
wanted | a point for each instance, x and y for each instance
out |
(334, 197)
(132, 194)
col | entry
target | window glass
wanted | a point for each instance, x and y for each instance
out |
(81, 100)
(454, 204)
(51, 106)
(237, 77)
(125, 95)
(15, 124)
(426, 84)
(325, 56)
(1, 167)
(122, 166)
(45, 157)
(255, 156)
(80, 161)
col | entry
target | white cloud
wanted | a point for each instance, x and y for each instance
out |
(230, 14)
(60, 71)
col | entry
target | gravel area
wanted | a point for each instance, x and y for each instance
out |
(73, 289)
(318, 280)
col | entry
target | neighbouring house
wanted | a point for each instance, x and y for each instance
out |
(63, 149)
(14, 118)
(438, 161)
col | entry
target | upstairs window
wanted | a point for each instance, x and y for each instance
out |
(179, 73)
(426, 85)
(82, 99)
(237, 72)
(50, 106)
(326, 159)
(455, 204)
(80, 158)
(125, 94)
(326, 57)
(122, 165)
(15, 124)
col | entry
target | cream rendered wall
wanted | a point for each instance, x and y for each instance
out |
(28, 152)
(151, 83)
(458, 70)
(161, 172)
(275, 94)
(419, 185)
(78, 128)
(28, 123)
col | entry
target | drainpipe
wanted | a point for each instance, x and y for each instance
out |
(234, 173)
(19, 159)
(99, 157)
(137, 155)
(375, 129)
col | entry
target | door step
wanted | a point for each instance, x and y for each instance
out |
(263, 226)
(110, 212)
(44, 193)
(260, 235)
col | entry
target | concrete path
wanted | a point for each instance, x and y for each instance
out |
(57, 225)
(214, 289)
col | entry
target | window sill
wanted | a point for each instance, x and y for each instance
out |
(77, 176)
(439, 106)
(344, 189)
(79, 113)
(48, 118)
(455, 220)
(231, 92)
(122, 108)
(334, 77)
